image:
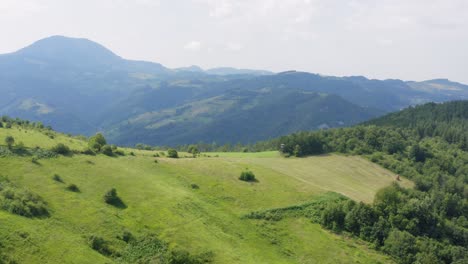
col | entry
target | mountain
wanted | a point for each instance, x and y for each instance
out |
(78, 86)
(223, 71)
(73, 52)
(74, 78)
(234, 71)
(241, 116)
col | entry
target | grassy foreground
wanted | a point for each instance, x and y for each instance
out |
(160, 200)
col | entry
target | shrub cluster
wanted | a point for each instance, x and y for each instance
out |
(42, 153)
(20, 150)
(100, 245)
(21, 201)
(98, 144)
(112, 198)
(57, 178)
(61, 149)
(172, 153)
(247, 176)
(151, 249)
(73, 188)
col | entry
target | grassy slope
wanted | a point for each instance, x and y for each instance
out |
(160, 200)
(33, 138)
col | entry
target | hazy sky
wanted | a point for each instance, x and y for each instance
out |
(408, 39)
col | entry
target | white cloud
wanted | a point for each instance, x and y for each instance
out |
(384, 42)
(19, 9)
(221, 9)
(193, 45)
(233, 46)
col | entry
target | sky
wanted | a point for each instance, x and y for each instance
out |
(383, 39)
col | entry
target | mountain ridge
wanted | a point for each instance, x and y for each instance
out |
(80, 80)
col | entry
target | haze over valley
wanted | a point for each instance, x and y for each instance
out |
(78, 86)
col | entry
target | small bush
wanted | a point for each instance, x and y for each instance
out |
(119, 152)
(155, 161)
(247, 176)
(96, 142)
(100, 245)
(35, 160)
(61, 149)
(172, 153)
(57, 178)
(194, 186)
(73, 188)
(127, 236)
(107, 150)
(9, 141)
(132, 153)
(112, 198)
(88, 151)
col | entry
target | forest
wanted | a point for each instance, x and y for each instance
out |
(427, 144)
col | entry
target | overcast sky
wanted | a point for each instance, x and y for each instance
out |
(407, 39)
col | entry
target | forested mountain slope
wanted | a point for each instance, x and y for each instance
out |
(244, 116)
(447, 120)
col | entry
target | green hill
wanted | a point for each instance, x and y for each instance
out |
(196, 205)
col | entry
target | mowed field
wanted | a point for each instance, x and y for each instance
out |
(352, 176)
(160, 200)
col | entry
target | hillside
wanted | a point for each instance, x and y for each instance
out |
(79, 86)
(451, 112)
(427, 144)
(244, 116)
(446, 120)
(196, 205)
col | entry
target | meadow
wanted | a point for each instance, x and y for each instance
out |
(161, 198)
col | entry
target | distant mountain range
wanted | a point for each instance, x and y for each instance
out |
(80, 87)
